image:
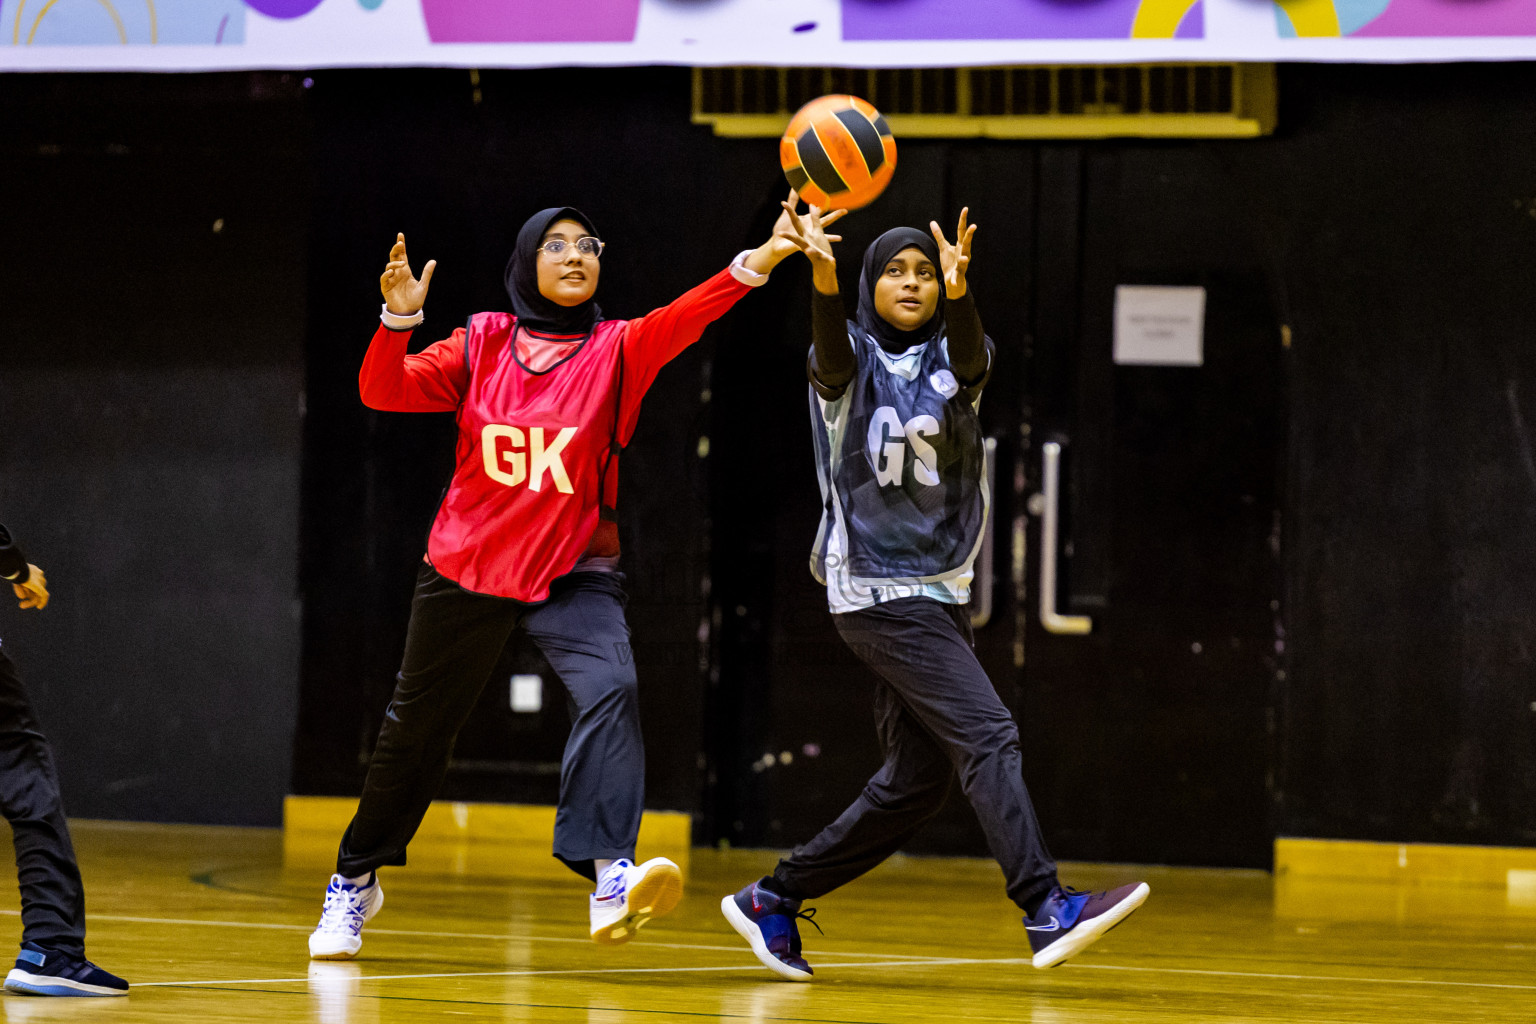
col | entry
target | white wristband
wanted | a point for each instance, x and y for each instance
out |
(399, 322)
(750, 278)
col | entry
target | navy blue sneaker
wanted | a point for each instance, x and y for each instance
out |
(767, 921)
(1069, 921)
(47, 972)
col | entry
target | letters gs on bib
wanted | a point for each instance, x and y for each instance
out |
(513, 456)
(888, 442)
(889, 456)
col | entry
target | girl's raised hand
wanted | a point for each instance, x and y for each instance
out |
(955, 259)
(403, 294)
(807, 232)
(34, 592)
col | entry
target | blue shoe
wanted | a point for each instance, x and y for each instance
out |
(47, 972)
(767, 921)
(1069, 921)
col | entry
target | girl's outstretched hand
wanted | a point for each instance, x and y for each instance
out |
(34, 592)
(808, 234)
(786, 238)
(955, 259)
(402, 292)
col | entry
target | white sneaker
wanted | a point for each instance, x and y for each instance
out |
(628, 896)
(339, 935)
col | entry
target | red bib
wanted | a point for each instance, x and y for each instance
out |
(536, 462)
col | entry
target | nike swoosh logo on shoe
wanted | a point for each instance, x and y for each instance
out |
(1055, 925)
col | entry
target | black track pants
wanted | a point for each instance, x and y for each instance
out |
(451, 648)
(938, 715)
(52, 898)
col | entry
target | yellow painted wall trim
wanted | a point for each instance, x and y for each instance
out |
(1020, 126)
(470, 838)
(1405, 862)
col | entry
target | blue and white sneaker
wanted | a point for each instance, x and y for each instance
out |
(629, 895)
(339, 935)
(767, 921)
(47, 972)
(1069, 921)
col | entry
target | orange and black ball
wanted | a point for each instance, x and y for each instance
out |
(838, 152)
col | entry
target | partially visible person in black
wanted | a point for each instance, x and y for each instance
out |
(52, 959)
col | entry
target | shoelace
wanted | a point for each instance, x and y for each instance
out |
(809, 917)
(612, 885)
(1068, 894)
(342, 906)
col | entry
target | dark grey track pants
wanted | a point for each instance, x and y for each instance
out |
(938, 715)
(451, 647)
(52, 898)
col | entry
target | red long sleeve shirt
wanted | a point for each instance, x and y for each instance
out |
(536, 459)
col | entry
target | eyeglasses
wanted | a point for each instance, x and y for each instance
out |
(590, 248)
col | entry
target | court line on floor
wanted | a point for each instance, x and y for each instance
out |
(936, 962)
(498, 937)
(1305, 977)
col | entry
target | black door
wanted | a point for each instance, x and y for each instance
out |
(1158, 669)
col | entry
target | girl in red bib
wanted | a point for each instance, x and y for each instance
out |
(526, 536)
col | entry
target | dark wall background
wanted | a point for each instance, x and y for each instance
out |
(1401, 210)
(152, 371)
(151, 375)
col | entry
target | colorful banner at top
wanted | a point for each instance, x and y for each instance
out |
(189, 35)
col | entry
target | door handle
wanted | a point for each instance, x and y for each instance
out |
(1050, 526)
(981, 590)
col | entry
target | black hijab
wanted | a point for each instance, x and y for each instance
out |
(533, 310)
(880, 252)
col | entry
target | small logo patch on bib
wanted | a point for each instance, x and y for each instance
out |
(945, 384)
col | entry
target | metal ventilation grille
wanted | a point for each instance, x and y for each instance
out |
(1159, 100)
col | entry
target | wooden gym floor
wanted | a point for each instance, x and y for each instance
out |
(209, 926)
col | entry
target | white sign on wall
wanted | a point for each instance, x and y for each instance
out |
(1158, 326)
(192, 35)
